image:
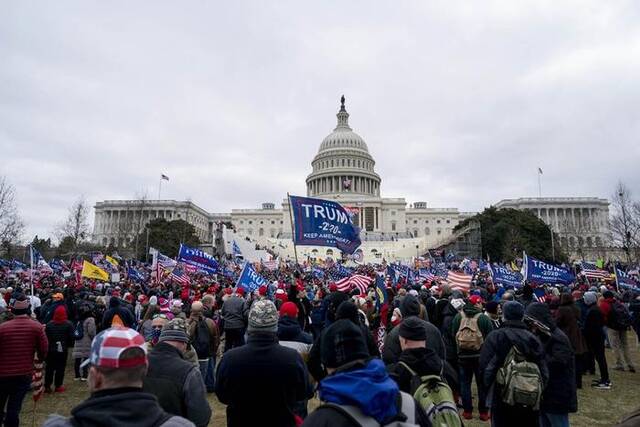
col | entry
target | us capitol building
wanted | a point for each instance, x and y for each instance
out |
(344, 170)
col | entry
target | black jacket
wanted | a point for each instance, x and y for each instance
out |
(392, 350)
(593, 324)
(423, 361)
(289, 330)
(124, 407)
(497, 345)
(260, 382)
(116, 307)
(177, 384)
(559, 396)
(447, 314)
(60, 336)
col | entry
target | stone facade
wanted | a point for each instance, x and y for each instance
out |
(343, 170)
(581, 222)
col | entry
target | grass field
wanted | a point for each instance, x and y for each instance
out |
(595, 408)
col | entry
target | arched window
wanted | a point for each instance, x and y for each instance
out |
(329, 252)
(427, 231)
(598, 241)
(589, 242)
(261, 232)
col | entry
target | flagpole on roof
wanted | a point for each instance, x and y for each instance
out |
(539, 184)
(293, 239)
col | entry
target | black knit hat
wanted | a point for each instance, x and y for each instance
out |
(409, 306)
(342, 342)
(413, 329)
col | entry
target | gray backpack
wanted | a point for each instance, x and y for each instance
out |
(354, 413)
(520, 380)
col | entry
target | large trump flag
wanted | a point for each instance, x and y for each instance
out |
(318, 222)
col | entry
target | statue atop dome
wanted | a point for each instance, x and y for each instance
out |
(342, 104)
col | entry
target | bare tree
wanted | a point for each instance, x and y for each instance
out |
(625, 220)
(11, 225)
(76, 227)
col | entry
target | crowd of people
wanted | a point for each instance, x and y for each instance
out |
(150, 351)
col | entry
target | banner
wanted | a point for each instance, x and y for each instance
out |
(94, 272)
(537, 271)
(625, 281)
(505, 276)
(319, 222)
(198, 259)
(249, 279)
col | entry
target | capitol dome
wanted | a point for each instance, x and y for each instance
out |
(343, 165)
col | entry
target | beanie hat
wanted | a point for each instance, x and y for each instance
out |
(410, 306)
(262, 290)
(541, 313)
(413, 329)
(333, 287)
(21, 302)
(590, 298)
(348, 310)
(289, 309)
(60, 314)
(153, 300)
(513, 310)
(475, 299)
(342, 342)
(240, 291)
(263, 317)
(174, 330)
(607, 294)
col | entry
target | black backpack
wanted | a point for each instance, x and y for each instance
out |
(78, 331)
(619, 317)
(202, 339)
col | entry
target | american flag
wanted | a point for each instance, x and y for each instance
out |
(426, 274)
(591, 271)
(37, 385)
(540, 295)
(109, 344)
(358, 280)
(179, 275)
(270, 265)
(459, 280)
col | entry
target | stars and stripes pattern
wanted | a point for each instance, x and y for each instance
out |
(37, 385)
(357, 280)
(540, 295)
(109, 344)
(459, 280)
(179, 275)
(591, 271)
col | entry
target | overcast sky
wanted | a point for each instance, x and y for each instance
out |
(459, 104)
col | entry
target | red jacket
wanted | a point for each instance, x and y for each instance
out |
(20, 338)
(605, 308)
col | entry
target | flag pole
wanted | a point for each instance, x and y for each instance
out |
(539, 184)
(293, 239)
(31, 270)
(159, 187)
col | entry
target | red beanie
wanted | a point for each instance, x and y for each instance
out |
(262, 290)
(333, 287)
(60, 314)
(289, 309)
(240, 291)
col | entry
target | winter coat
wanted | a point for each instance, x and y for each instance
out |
(497, 345)
(593, 328)
(290, 335)
(423, 361)
(392, 350)
(177, 384)
(116, 307)
(447, 314)
(559, 396)
(82, 347)
(366, 386)
(274, 375)
(567, 319)
(59, 332)
(124, 407)
(484, 324)
(214, 334)
(233, 313)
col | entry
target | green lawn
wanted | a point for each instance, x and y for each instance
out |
(595, 407)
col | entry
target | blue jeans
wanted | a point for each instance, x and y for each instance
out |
(554, 420)
(210, 378)
(12, 393)
(469, 368)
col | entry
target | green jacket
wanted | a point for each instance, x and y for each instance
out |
(484, 324)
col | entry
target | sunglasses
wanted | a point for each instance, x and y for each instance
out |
(160, 316)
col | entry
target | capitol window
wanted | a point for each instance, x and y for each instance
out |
(448, 221)
(427, 231)
(415, 221)
(250, 222)
(273, 222)
(438, 221)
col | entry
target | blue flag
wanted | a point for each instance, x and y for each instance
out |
(625, 281)
(249, 279)
(318, 273)
(319, 222)
(4, 263)
(135, 275)
(505, 276)
(235, 248)
(17, 265)
(197, 258)
(37, 260)
(537, 271)
(382, 297)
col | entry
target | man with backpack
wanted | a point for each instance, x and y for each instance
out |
(358, 392)
(470, 329)
(514, 371)
(419, 373)
(205, 339)
(618, 321)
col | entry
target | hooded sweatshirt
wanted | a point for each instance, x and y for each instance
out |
(59, 331)
(125, 407)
